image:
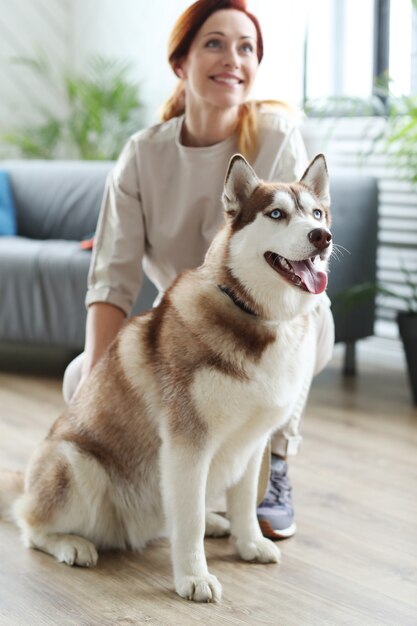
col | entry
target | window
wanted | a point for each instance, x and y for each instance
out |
(334, 48)
(349, 43)
(403, 48)
(339, 49)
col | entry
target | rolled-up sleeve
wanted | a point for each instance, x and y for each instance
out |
(115, 274)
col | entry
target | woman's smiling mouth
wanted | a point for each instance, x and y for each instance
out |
(226, 79)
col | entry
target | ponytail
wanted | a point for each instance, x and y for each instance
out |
(247, 130)
(175, 105)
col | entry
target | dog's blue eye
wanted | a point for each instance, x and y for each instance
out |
(317, 214)
(276, 214)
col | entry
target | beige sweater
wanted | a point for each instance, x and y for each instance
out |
(162, 204)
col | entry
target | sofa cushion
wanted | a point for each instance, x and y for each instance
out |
(7, 208)
(57, 199)
(44, 285)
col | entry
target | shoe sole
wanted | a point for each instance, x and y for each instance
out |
(270, 533)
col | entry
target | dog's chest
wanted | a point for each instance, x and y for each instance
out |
(271, 385)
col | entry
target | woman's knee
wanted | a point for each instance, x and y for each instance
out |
(72, 377)
(325, 337)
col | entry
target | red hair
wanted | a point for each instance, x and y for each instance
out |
(190, 22)
(181, 38)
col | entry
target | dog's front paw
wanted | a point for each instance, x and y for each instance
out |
(261, 550)
(76, 551)
(217, 525)
(199, 588)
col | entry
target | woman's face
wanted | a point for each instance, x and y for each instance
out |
(221, 65)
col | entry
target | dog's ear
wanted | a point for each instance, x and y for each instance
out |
(241, 181)
(316, 177)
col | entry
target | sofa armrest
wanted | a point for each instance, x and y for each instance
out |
(355, 231)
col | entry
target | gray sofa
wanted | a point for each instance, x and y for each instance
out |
(43, 270)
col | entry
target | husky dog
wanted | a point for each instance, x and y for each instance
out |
(180, 408)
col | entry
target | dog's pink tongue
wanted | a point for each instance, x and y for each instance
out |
(314, 281)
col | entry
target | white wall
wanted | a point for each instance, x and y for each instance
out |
(283, 24)
(27, 26)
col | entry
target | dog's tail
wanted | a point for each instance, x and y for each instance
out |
(11, 487)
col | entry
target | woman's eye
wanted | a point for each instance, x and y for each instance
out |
(247, 48)
(213, 43)
(276, 214)
(317, 214)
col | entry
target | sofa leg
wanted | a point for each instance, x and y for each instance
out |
(349, 367)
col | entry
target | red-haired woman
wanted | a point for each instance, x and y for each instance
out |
(162, 202)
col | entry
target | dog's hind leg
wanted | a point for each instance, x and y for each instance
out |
(62, 501)
(216, 525)
(51, 529)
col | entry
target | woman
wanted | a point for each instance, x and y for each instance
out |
(162, 202)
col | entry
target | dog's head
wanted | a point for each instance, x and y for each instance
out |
(279, 240)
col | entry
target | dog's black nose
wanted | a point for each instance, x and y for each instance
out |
(320, 238)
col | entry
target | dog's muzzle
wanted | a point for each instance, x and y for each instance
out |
(303, 274)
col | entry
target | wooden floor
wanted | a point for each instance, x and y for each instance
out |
(352, 562)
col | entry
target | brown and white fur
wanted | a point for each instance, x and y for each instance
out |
(180, 408)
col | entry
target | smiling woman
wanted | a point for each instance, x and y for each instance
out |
(218, 74)
(215, 49)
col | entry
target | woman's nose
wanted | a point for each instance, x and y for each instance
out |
(231, 58)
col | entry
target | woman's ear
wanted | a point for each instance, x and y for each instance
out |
(179, 70)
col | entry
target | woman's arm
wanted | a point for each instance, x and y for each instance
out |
(103, 323)
(115, 273)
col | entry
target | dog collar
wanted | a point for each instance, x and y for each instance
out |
(237, 301)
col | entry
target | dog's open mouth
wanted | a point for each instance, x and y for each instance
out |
(302, 274)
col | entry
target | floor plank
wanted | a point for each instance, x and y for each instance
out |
(353, 561)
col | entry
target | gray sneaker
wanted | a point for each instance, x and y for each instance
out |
(275, 513)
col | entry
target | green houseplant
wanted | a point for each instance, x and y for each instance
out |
(101, 108)
(401, 136)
